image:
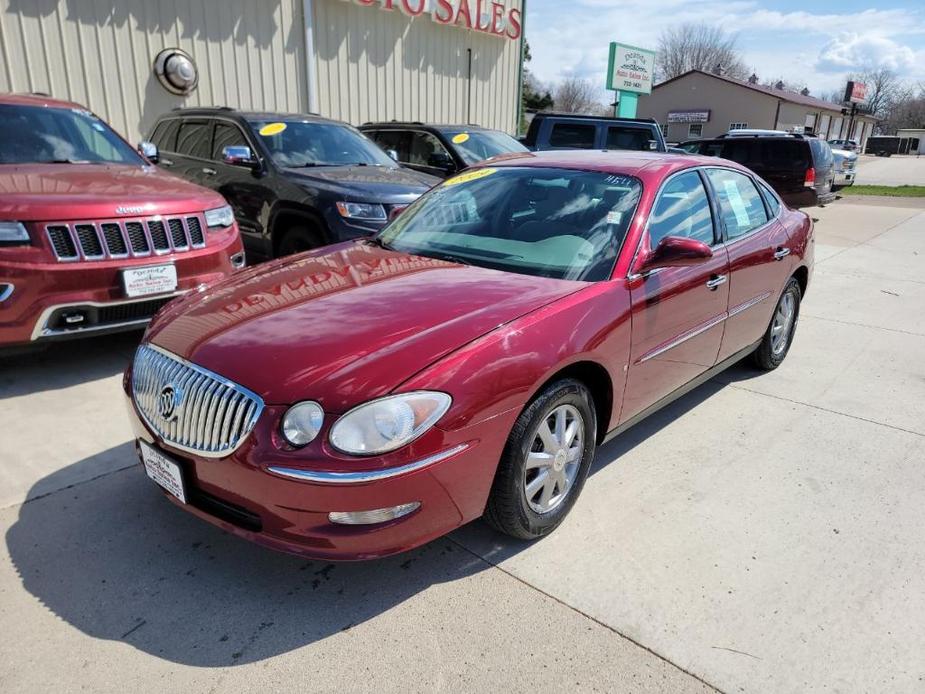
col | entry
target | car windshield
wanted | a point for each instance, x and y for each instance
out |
(476, 145)
(534, 221)
(42, 135)
(295, 143)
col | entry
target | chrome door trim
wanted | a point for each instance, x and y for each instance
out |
(365, 477)
(683, 337)
(745, 305)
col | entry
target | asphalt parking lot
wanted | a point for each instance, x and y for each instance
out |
(762, 534)
(900, 170)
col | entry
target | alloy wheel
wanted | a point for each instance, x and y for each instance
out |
(782, 325)
(554, 458)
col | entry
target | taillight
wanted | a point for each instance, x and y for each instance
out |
(810, 180)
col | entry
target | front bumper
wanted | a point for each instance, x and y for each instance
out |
(46, 294)
(844, 179)
(242, 495)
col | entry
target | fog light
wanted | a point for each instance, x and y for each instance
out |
(380, 515)
(238, 260)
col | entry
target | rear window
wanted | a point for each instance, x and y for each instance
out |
(628, 138)
(822, 153)
(572, 135)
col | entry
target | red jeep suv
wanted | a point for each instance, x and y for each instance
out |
(94, 238)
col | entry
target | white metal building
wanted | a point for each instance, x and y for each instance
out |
(357, 60)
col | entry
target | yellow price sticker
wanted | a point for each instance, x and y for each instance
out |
(469, 176)
(272, 129)
(460, 138)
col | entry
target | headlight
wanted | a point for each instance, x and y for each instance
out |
(388, 423)
(13, 234)
(219, 217)
(302, 422)
(362, 210)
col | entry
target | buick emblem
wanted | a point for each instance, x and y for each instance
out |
(167, 402)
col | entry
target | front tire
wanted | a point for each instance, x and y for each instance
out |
(545, 462)
(779, 336)
(298, 239)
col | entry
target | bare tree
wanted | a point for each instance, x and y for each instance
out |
(883, 88)
(576, 95)
(692, 46)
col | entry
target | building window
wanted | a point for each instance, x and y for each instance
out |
(695, 130)
(738, 126)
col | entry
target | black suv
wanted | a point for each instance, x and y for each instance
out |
(571, 131)
(801, 168)
(441, 150)
(295, 181)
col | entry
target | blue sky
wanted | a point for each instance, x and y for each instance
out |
(816, 44)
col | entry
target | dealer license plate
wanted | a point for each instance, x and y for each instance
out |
(163, 470)
(153, 279)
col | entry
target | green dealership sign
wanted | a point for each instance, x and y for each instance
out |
(629, 73)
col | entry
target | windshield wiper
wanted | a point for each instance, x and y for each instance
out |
(449, 257)
(377, 241)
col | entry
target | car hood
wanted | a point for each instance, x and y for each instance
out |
(367, 182)
(57, 192)
(345, 323)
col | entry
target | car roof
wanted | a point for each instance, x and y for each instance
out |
(248, 115)
(38, 99)
(541, 115)
(650, 166)
(418, 124)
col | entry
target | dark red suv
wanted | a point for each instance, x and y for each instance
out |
(92, 236)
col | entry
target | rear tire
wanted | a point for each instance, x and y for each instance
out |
(783, 326)
(545, 462)
(297, 239)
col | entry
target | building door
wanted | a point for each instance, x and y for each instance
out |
(824, 126)
(836, 129)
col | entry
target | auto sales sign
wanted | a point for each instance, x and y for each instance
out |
(630, 69)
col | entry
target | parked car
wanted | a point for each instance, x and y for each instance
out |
(849, 145)
(295, 181)
(800, 168)
(547, 303)
(571, 131)
(93, 238)
(439, 150)
(845, 165)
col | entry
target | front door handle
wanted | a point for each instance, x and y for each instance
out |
(781, 253)
(209, 172)
(715, 281)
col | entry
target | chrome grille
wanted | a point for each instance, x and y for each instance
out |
(115, 242)
(158, 235)
(116, 238)
(206, 414)
(89, 241)
(62, 242)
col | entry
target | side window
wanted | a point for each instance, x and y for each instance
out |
(742, 151)
(397, 140)
(226, 135)
(771, 199)
(165, 135)
(572, 135)
(683, 209)
(739, 201)
(194, 138)
(423, 148)
(628, 138)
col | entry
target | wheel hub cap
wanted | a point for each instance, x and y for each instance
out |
(554, 458)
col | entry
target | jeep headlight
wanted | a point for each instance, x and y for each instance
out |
(219, 217)
(382, 425)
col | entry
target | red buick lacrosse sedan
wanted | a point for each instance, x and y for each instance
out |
(361, 399)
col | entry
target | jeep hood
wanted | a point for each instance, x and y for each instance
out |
(344, 324)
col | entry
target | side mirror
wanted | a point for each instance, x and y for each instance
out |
(392, 153)
(149, 151)
(676, 251)
(441, 160)
(239, 155)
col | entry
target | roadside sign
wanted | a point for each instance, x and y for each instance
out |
(855, 92)
(630, 69)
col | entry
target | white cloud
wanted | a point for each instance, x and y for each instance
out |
(852, 52)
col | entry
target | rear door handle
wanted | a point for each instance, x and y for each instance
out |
(781, 253)
(209, 172)
(715, 281)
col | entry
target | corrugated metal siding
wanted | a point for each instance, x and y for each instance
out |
(376, 65)
(250, 54)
